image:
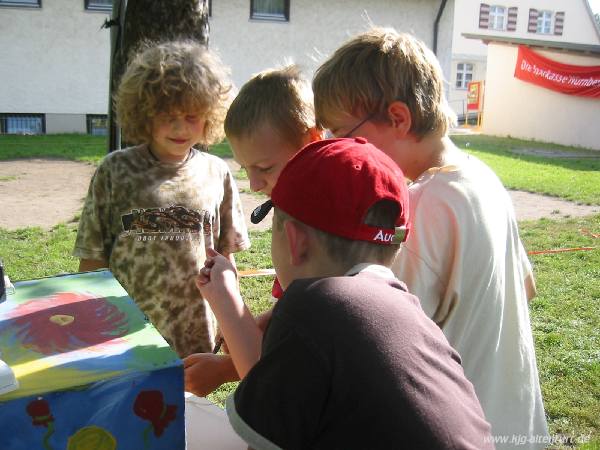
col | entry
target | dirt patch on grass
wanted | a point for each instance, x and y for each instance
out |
(46, 192)
(557, 153)
(41, 192)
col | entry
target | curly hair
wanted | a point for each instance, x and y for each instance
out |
(172, 76)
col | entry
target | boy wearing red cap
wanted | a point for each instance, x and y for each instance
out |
(464, 259)
(349, 359)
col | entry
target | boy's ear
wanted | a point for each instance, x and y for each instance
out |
(400, 117)
(312, 134)
(297, 239)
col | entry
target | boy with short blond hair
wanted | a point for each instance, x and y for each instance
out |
(349, 359)
(281, 98)
(464, 259)
(270, 119)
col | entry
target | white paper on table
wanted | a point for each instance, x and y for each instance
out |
(8, 382)
(207, 426)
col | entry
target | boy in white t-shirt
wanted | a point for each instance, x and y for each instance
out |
(464, 259)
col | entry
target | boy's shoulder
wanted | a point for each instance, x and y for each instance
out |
(120, 156)
(204, 157)
(342, 296)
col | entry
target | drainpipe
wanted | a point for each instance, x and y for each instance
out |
(436, 25)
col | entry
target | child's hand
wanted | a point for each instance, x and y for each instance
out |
(218, 277)
(205, 372)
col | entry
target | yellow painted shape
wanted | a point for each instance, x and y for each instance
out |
(62, 319)
(92, 438)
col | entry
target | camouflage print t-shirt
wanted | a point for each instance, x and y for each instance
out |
(152, 222)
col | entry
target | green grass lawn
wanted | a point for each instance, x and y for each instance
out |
(564, 315)
(74, 147)
(573, 178)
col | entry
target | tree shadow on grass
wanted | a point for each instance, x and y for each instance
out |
(571, 158)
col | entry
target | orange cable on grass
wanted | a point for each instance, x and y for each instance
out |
(583, 231)
(560, 250)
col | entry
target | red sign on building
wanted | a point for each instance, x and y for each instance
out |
(566, 78)
(474, 95)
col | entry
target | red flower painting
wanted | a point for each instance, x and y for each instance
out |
(39, 410)
(67, 321)
(150, 406)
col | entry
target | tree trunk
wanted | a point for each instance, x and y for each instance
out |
(137, 21)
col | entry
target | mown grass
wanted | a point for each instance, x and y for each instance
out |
(571, 178)
(566, 324)
(74, 147)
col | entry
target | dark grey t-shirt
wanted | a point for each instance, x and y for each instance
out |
(353, 363)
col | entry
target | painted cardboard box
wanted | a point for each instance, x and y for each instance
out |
(93, 373)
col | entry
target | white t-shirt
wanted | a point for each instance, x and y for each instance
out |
(465, 262)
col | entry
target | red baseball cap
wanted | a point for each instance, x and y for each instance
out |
(331, 184)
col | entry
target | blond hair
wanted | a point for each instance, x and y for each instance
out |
(377, 67)
(346, 253)
(172, 76)
(281, 98)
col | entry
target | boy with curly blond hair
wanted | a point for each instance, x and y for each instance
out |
(153, 210)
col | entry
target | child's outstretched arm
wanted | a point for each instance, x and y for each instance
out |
(217, 282)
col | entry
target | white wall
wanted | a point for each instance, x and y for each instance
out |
(523, 110)
(315, 30)
(54, 59)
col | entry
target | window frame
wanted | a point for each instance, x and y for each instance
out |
(463, 72)
(545, 20)
(89, 6)
(88, 123)
(20, 4)
(5, 116)
(494, 15)
(271, 17)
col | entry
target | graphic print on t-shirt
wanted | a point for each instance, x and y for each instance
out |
(167, 221)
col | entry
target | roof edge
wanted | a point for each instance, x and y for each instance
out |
(571, 46)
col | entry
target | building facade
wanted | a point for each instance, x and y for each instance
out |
(555, 21)
(54, 56)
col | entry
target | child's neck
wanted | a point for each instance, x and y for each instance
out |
(435, 151)
(169, 158)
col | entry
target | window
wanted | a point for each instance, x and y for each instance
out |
(26, 3)
(464, 74)
(22, 124)
(98, 5)
(544, 22)
(497, 17)
(278, 10)
(97, 124)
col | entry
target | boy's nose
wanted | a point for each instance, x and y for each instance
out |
(256, 183)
